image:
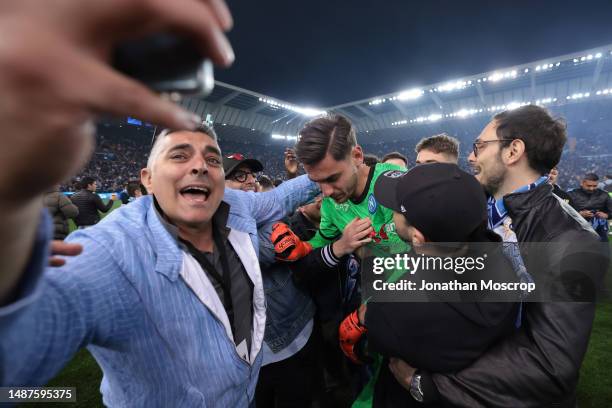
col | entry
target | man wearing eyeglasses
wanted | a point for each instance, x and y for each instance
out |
(539, 364)
(240, 172)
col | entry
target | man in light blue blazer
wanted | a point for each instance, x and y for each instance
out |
(167, 294)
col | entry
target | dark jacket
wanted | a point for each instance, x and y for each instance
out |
(61, 209)
(89, 204)
(438, 336)
(538, 365)
(599, 200)
(562, 194)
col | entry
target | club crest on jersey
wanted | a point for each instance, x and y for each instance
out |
(372, 204)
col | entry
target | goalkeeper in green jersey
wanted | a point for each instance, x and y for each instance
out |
(350, 215)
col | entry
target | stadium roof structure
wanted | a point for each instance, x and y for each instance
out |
(552, 82)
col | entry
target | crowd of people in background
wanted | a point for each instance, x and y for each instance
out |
(119, 158)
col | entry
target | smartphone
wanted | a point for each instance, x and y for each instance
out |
(166, 63)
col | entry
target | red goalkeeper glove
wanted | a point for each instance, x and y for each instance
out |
(349, 333)
(287, 245)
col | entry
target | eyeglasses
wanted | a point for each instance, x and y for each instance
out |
(241, 176)
(477, 146)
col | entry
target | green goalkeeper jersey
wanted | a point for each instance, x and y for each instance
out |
(335, 216)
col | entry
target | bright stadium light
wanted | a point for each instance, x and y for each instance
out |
(452, 86)
(377, 101)
(464, 113)
(579, 95)
(431, 118)
(545, 101)
(598, 55)
(283, 137)
(298, 109)
(410, 94)
(498, 76)
(309, 111)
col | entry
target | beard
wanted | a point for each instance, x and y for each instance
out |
(493, 178)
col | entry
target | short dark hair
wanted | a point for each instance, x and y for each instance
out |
(85, 181)
(334, 134)
(543, 135)
(265, 181)
(395, 155)
(202, 128)
(370, 159)
(591, 177)
(277, 182)
(132, 186)
(441, 143)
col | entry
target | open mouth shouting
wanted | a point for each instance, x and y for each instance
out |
(195, 194)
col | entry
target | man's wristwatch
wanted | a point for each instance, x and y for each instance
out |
(415, 387)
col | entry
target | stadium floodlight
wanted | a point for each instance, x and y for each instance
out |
(306, 111)
(514, 105)
(598, 55)
(410, 94)
(579, 95)
(526, 70)
(399, 122)
(498, 76)
(545, 101)
(377, 101)
(310, 112)
(283, 137)
(464, 113)
(452, 86)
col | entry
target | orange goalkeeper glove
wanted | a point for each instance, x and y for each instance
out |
(349, 333)
(287, 245)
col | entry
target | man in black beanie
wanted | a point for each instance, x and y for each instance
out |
(436, 336)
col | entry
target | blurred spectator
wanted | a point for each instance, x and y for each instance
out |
(594, 204)
(89, 203)
(265, 183)
(440, 148)
(370, 160)
(134, 190)
(61, 209)
(395, 158)
(558, 191)
(240, 172)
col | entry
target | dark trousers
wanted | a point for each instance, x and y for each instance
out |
(293, 382)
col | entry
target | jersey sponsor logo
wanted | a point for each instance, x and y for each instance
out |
(341, 207)
(372, 204)
(382, 234)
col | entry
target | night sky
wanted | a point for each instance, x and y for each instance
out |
(324, 53)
